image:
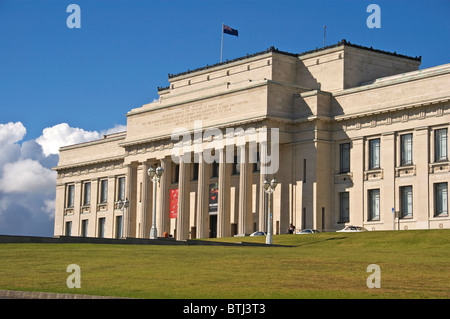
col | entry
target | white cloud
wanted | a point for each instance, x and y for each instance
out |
(116, 129)
(27, 176)
(27, 183)
(60, 135)
(11, 133)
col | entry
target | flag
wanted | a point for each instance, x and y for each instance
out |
(228, 30)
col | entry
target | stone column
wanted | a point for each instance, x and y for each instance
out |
(245, 192)
(145, 202)
(202, 199)
(162, 212)
(130, 213)
(183, 201)
(262, 218)
(223, 212)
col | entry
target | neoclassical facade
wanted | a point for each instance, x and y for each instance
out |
(353, 135)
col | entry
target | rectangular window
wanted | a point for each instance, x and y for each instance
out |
(121, 189)
(195, 171)
(344, 158)
(176, 173)
(406, 149)
(70, 196)
(374, 153)
(86, 194)
(440, 199)
(236, 165)
(101, 227)
(374, 204)
(215, 169)
(304, 170)
(406, 202)
(257, 165)
(344, 216)
(440, 145)
(103, 191)
(119, 226)
(68, 228)
(84, 228)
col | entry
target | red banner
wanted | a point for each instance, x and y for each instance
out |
(174, 203)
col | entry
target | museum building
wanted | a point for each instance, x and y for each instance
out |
(353, 135)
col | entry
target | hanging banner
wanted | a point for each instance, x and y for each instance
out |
(213, 195)
(174, 203)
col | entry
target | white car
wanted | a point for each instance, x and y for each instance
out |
(307, 231)
(352, 229)
(258, 233)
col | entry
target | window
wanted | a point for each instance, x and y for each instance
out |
(101, 227)
(84, 228)
(86, 194)
(215, 169)
(344, 158)
(103, 191)
(70, 196)
(374, 204)
(121, 189)
(440, 145)
(440, 199)
(344, 216)
(257, 165)
(406, 202)
(68, 228)
(374, 153)
(195, 172)
(304, 170)
(119, 226)
(236, 165)
(175, 173)
(406, 149)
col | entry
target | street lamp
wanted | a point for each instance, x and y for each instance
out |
(122, 205)
(269, 188)
(155, 175)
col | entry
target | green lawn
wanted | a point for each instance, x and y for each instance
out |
(414, 264)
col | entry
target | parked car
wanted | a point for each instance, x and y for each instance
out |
(258, 233)
(307, 231)
(351, 228)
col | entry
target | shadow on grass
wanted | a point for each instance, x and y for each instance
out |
(319, 241)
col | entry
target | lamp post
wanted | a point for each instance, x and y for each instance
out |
(269, 188)
(155, 175)
(122, 205)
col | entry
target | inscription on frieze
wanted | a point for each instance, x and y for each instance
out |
(199, 111)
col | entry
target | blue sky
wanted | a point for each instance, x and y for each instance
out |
(90, 77)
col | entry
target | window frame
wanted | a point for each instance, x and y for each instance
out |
(343, 149)
(406, 193)
(406, 148)
(374, 149)
(440, 151)
(443, 212)
(344, 216)
(373, 215)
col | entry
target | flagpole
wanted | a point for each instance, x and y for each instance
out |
(221, 45)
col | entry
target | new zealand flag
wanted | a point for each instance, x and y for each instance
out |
(228, 30)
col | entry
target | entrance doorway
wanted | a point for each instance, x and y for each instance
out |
(213, 226)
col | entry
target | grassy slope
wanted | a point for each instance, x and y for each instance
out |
(414, 264)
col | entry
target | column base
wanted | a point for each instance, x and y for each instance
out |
(153, 233)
